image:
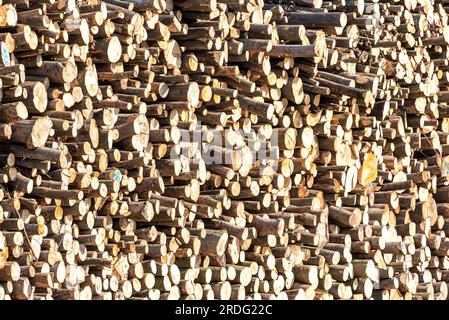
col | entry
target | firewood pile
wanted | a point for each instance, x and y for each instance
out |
(224, 149)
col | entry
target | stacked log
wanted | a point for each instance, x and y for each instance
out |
(211, 149)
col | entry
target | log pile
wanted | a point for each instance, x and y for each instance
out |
(214, 149)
